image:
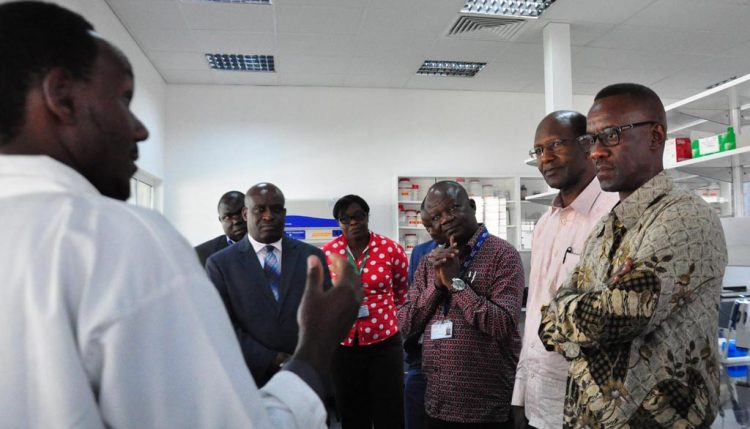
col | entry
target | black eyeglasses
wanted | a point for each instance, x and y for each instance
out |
(556, 147)
(358, 216)
(609, 136)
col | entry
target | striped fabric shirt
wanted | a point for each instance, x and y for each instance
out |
(470, 376)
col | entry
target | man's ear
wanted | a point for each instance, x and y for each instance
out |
(58, 87)
(244, 214)
(658, 136)
(473, 204)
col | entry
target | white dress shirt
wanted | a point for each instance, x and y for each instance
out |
(110, 321)
(557, 243)
(261, 250)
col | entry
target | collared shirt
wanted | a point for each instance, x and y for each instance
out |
(261, 249)
(558, 242)
(470, 375)
(230, 241)
(110, 321)
(384, 279)
(643, 350)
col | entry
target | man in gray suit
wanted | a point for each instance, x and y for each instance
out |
(230, 215)
(261, 280)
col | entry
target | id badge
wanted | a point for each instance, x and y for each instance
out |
(363, 311)
(442, 330)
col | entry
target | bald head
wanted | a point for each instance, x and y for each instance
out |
(563, 162)
(574, 122)
(265, 212)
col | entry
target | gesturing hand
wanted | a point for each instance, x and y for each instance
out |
(325, 318)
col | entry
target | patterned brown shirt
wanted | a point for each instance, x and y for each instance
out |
(470, 376)
(643, 350)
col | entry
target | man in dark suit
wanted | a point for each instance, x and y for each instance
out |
(230, 216)
(261, 281)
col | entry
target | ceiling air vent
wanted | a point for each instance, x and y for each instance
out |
(502, 18)
(503, 28)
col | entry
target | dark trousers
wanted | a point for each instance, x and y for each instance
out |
(414, 388)
(441, 424)
(369, 385)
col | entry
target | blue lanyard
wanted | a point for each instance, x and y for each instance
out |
(467, 263)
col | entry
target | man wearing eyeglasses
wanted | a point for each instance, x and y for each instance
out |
(261, 282)
(539, 391)
(637, 318)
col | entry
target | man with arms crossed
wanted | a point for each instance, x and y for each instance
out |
(539, 392)
(109, 319)
(638, 317)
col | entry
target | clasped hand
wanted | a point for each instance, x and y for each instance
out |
(447, 264)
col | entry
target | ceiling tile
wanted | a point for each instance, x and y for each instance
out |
(313, 64)
(171, 60)
(673, 40)
(213, 41)
(163, 39)
(600, 11)
(429, 18)
(187, 77)
(321, 3)
(393, 45)
(244, 78)
(253, 18)
(448, 48)
(311, 79)
(316, 44)
(692, 14)
(318, 20)
(385, 65)
(148, 13)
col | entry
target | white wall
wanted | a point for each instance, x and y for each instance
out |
(150, 88)
(327, 142)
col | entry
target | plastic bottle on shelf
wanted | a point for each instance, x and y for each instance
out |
(415, 194)
(401, 215)
(410, 241)
(730, 141)
(411, 218)
(404, 189)
(524, 192)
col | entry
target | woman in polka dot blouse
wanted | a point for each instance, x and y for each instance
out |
(368, 368)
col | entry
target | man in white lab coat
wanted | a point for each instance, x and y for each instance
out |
(108, 318)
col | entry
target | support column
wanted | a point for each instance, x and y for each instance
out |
(558, 77)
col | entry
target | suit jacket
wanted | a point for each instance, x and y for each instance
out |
(263, 325)
(210, 247)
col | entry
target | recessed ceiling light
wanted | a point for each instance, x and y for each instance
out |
(231, 1)
(526, 8)
(450, 68)
(239, 62)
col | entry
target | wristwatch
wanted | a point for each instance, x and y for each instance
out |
(458, 285)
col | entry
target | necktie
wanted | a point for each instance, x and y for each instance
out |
(273, 271)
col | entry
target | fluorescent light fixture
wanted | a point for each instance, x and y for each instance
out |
(233, 1)
(450, 68)
(526, 8)
(239, 62)
(721, 83)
